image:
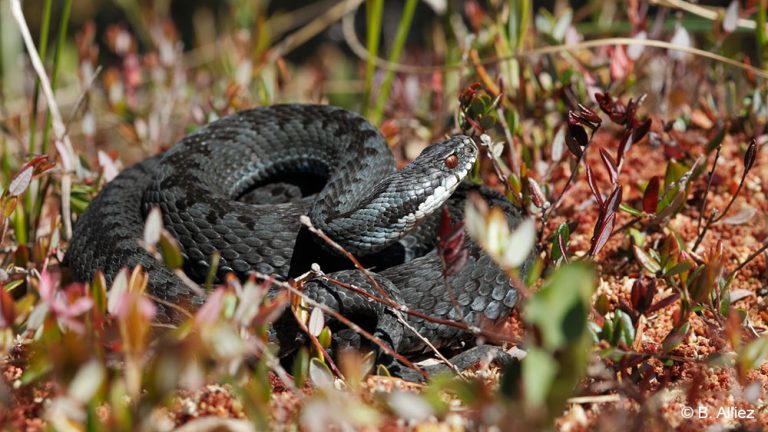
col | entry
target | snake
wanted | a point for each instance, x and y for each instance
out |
(238, 187)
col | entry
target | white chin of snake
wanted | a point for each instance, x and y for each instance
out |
(438, 198)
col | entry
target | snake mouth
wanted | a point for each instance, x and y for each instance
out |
(466, 151)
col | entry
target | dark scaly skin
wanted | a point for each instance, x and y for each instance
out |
(196, 184)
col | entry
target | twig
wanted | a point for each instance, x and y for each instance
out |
(295, 39)
(318, 345)
(171, 305)
(486, 142)
(491, 86)
(714, 217)
(308, 223)
(350, 37)
(66, 152)
(81, 98)
(463, 326)
(754, 255)
(396, 308)
(383, 345)
(545, 215)
(595, 399)
(710, 13)
(276, 367)
(629, 223)
(700, 237)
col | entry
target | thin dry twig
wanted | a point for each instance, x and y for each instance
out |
(710, 13)
(297, 38)
(749, 259)
(384, 346)
(396, 308)
(359, 50)
(318, 346)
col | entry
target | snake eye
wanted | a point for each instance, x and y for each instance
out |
(452, 161)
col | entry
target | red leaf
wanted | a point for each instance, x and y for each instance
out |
(620, 64)
(624, 145)
(593, 186)
(749, 156)
(641, 131)
(578, 133)
(615, 110)
(613, 201)
(573, 146)
(536, 195)
(651, 195)
(642, 295)
(602, 234)
(610, 165)
(590, 114)
(451, 244)
(7, 309)
(631, 112)
(666, 301)
(20, 181)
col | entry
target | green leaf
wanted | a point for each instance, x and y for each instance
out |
(675, 171)
(560, 308)
(675, 337)
(753, 354)
(631, 210)
(646, 261)
(677, 269)
(624, 329)
(300, 367)
(564, 233)
(170, 250)
(539, 371)
(320, 375)
(716, 140)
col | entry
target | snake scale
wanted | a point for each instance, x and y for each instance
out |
(239, 185)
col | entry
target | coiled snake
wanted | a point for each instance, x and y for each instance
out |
(239, 185)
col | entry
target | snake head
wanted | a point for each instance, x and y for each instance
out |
(439, 169)
(404, 199)
(453, 157)
(434, 175)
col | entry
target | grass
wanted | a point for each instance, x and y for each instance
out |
(642, 175)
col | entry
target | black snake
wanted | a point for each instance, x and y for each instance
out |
(239, 185)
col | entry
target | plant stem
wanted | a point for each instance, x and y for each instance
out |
(706, 191)
(762, 43)
(717, 218)
(400, 37)
(61, 35)
(373, 14)
(754, 255)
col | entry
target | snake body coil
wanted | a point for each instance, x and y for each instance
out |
(239, 185)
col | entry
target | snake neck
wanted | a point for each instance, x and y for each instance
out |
(398, 203)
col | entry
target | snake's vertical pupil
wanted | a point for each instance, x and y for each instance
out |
(452, 161)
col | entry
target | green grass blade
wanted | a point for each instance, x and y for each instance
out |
(394, 56)
(762, 43)
(45, 26)
(61, 37)
(374, 9)
(37, 193)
